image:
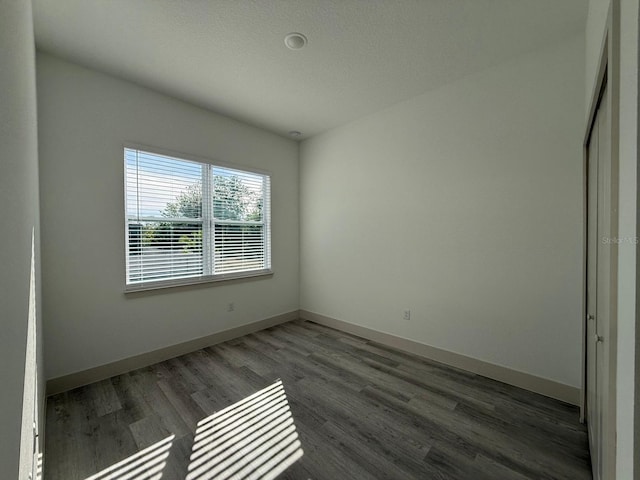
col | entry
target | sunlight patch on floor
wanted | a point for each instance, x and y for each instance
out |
(147, 464)
(252, 439)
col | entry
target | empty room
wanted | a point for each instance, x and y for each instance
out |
(319, 239)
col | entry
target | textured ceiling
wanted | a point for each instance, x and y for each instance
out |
(362, 55)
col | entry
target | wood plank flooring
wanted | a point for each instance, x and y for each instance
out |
(361, 411)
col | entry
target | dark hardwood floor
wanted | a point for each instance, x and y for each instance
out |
(360, 411)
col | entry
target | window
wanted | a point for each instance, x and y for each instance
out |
(191, 222)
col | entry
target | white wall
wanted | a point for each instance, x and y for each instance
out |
(84, 118)
(627, 216)
(463, 205)
(19, 297)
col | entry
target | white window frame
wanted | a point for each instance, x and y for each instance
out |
(208, 224)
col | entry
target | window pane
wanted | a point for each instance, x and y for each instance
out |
(239, 248)
(162, 250)
(237, 195)
(159, 186)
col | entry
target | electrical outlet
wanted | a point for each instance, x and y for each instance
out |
(231, 307)
(407, 315)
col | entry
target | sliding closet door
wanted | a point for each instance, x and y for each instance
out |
(599, 241)
(592, 262)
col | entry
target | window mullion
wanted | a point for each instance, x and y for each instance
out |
(207, 228)
(266, 220)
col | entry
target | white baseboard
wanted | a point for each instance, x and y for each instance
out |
(543, 386)
(85, 377)
(536, 384)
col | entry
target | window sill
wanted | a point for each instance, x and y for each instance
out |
(182, 282)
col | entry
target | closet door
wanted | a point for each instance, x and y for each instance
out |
(592, 262)
(599, 243)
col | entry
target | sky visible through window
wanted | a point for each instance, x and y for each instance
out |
(163, 179)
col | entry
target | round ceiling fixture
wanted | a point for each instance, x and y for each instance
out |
(295, 41)
(295, 133)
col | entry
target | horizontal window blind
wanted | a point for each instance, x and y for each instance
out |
(186, 219)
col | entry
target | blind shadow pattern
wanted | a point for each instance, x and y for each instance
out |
(253, 439)
(146, 464)
(39, 466)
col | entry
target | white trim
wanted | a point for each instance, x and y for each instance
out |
(181, 282)
(544, 386)
(95, 374)
(527, 381)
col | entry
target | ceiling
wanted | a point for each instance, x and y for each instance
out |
(362, 55)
